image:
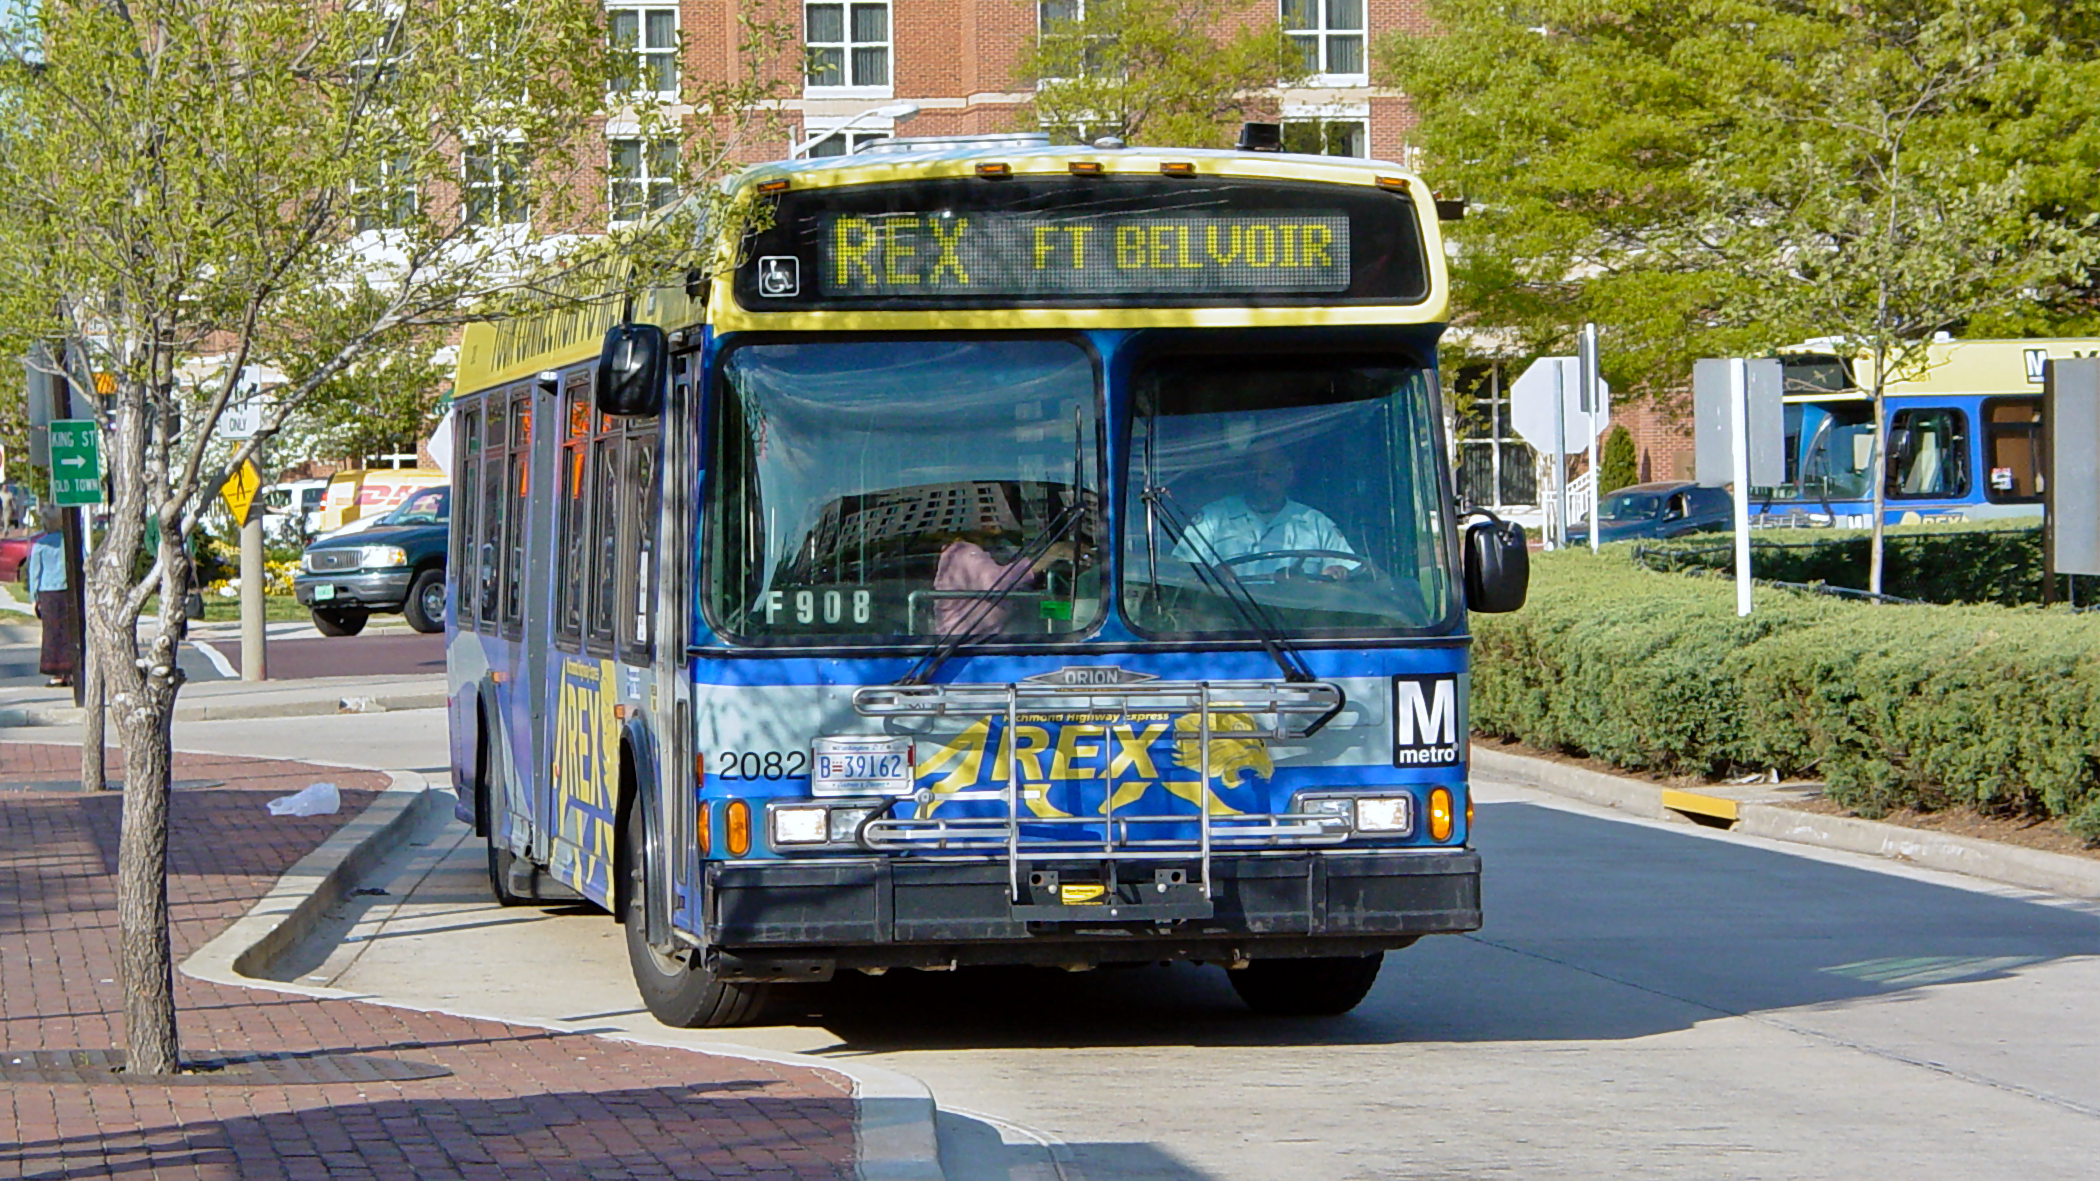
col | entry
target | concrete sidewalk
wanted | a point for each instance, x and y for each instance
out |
(309, 1087)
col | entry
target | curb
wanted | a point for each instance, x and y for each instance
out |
(894, 1134)
(2014, 865)
(72, 715)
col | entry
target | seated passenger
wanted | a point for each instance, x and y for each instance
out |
(1265, 520)
(967, 566)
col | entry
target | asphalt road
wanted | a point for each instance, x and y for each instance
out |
(295, 652)
(1647, 1000)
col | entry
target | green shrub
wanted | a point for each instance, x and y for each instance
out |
(1972, 563)
(1618, 466)
(1927, 707)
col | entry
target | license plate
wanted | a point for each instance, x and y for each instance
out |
(840, 767)
(323, 593)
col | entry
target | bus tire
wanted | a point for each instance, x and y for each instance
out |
(1324, 987)
(340, 621)
(501, 859)
(677, 989)
(425, 608)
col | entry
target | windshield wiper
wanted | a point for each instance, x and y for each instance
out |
(978, 607)
(1218, 577)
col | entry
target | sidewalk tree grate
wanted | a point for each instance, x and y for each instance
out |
(230, 1070)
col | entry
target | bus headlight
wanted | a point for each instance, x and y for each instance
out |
(1393, 814)
(802, 824)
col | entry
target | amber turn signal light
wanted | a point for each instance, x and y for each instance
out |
(1440, 814)
(736, 835)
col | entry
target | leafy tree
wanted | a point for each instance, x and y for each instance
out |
(1592, 139)
(1618, 465)
(1184, 73)
(192, 187)
(1728, 176)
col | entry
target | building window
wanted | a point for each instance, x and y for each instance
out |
(1329, 35)
(388, 200)
(1070, 55)
(845, 143)
(495, 184)
(1326, 137)
(847, 44)
(644, 176)
(647, 39)
(1495, 467)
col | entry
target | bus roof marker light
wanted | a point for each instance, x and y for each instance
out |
(1178, 168)
(1086, 168)
(776, 185)
(1394, 184)
(995, 170)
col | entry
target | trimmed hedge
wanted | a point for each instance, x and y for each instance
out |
(1927, 707)
(1978, 562)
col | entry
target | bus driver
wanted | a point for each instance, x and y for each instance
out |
(1265, 520)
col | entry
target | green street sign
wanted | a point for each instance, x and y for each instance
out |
(76, 462)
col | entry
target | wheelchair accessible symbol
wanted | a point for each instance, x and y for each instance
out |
(779, 276)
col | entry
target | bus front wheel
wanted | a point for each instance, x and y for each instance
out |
(1324, 987)
(677, 988)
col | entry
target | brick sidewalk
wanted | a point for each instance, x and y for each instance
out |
(519, 1102)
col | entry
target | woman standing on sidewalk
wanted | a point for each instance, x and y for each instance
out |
(54, 605)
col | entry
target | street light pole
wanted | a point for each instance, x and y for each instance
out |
(894, 112)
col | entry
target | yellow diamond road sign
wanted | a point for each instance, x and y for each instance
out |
(239, 490)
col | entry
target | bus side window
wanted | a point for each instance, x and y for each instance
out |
(466, 483)
(1928, 454)
(488, 539)
(602, 560)
(572, 547)
(2012, 440)
(518, 492)
(637, 541)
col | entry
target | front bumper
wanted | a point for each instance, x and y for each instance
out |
(801, 920)
(374, 590)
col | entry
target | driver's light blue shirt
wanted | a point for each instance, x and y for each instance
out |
(1229, 527)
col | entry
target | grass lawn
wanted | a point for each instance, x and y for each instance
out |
(276, 609)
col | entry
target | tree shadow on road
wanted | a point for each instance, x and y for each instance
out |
(1595, 930)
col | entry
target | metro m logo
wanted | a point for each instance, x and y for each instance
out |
(1425, 722)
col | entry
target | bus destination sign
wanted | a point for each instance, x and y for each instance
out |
(1016, 254)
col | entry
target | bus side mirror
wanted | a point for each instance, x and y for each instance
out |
(1497, 567)
(630, 377)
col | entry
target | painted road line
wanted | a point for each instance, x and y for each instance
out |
(218, 660)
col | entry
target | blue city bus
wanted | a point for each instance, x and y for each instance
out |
(1019, 556)
(1963, 442)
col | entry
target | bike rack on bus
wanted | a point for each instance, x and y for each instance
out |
(1284, 702)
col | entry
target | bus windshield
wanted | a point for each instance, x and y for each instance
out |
(864, 492)
(1310, 482)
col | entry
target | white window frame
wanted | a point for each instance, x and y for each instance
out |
(642, 50)
(646, 180)
(396, 182)
(1358, 113)
(468, 186)
(1322, 35)
(847, 87)
(1041, 28)
(863, 131)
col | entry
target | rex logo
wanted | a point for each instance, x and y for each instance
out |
(1426, 722)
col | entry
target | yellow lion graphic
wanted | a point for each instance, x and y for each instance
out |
(1228, 756)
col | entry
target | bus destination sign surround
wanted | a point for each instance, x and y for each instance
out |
(1099, 242)
(1020, 254)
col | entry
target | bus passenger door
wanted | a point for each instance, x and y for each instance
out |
(664, 600)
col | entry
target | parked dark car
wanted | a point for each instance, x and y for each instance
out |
(1666, 508)
(396, 565)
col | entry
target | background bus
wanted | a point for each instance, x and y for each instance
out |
(1025, 556)
(1964, 434)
